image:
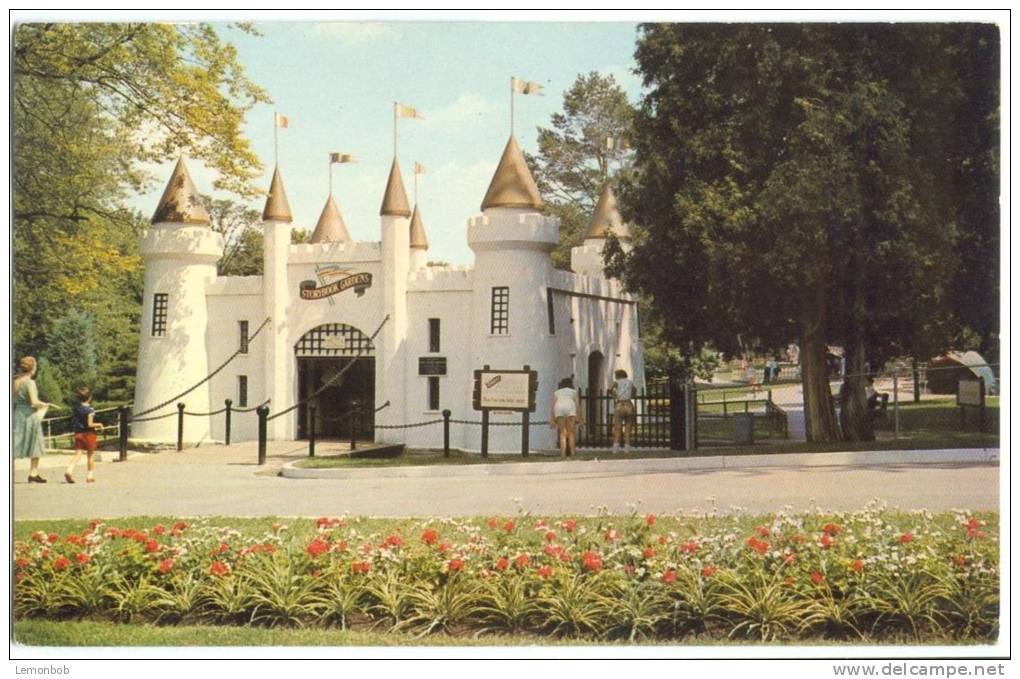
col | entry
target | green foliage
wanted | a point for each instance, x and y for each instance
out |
(242, 237)
(72, 348)
(50, 382)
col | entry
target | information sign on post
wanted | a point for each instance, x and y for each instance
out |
(971, 394)
(505, 390)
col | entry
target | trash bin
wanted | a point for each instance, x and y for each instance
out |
(743, 429)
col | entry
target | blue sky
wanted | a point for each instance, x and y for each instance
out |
(337, 81)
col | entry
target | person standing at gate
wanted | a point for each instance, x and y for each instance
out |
(27, 418)
(84, 435)
(622, 390)
(566, 405)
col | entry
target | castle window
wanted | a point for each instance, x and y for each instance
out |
(242, 327)
(434, 335)
(242, 391)
(551, 311)
(433, 393)
(159, 308)
(500, 318)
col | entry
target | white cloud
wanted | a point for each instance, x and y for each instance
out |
(359, 33)
(467, 107)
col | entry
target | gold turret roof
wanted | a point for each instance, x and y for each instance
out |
(180, 203)
(606, 217)
(419, 241)
(277, 208)
(512, 185)
(395, 199)
(330, 227)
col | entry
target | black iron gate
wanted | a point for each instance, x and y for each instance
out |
(652, 427)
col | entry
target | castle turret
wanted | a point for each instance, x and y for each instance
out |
(512, 240)
(419, 241)
(180, 252)
(390, 381)
(276, 220)
(330, 227)
(587, 258)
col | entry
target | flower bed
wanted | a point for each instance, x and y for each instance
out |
(872, 576)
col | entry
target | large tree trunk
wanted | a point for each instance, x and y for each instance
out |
(854, 414)
(819, 415)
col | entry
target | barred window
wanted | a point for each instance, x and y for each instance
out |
(242, 327)
(500, 318)
(433, 393)
(159, 306)
(551, 310)
(242, 391)
(434, 335)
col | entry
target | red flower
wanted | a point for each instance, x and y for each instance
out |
(180, 526)
(826, 541)
(159, 529)
(662, 539)
(690, 547)
(444, 547)
(151, 546)
(762, 531)
(650, 519)
(790, 558)
(502, 563)
(831, 529)
(552, 550)
(539, 524)
(906, 538)
(82, 558)
(340, 546)
(38, 536)
(219, 568)
(429, 536)
(361, 567)
(222, 549)
(669, 577)
(817, 578)
(165, 565)
(21, 562)
(799, 539)
(52, 537)
(973, 523)
(392, 540)
(60, 563)
(522, 560)
(857, 565)
(492, 523)
(569, 525)
(757, 545)
(708, 571)
(591, 561)
(317, 547)
(564, 556)
(550, 535)
(545, 571)
(455, 564)
(960, 560)
(508, 527)
(73, 539)
(648, 553)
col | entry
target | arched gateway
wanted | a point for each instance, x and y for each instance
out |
(322, 354)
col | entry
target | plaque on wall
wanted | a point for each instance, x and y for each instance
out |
(432, 365)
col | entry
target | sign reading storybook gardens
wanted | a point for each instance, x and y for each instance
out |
(358, 281)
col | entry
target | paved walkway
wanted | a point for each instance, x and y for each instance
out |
(221, 480)
(791, 399)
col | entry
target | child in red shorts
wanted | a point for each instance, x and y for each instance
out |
(84, 434)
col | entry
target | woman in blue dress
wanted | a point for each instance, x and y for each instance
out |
(28, 414)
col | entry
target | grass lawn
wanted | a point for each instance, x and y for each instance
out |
(939, 420)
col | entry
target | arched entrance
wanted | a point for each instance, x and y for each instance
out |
(337, 361)
(595, 418)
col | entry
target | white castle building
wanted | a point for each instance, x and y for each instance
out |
(325, 299)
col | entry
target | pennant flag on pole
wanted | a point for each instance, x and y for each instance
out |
(404, 111)
(341, 158)
(281, 121)
(525, 86)
(419, 168)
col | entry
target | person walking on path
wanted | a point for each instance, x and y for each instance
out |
(27, 418)
(622, 391)
(565, 408)
(84, 435)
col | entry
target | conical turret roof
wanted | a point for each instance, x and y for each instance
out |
(419, 241)
(607, 218)
(277, 208)
(395, 199)
(512, 185)
(330, 227)
(180, 203)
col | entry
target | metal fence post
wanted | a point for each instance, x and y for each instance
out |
(446, 433)
(355, 412)
(917, 380)
(263, 413)
(228, 403)
(122, 417)
(311, 431)
(180, 427)
(485, 432)
(896, 403)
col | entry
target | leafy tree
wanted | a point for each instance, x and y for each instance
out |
(789, 181)
(242, 252)
(73, 349)
(574, 160)
(300, 236)
(51, 383)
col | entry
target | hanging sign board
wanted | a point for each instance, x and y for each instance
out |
(970, 393)
(359, 281)
(431, 365)
(510, 390)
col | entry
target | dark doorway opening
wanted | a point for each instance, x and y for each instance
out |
(595, 418)
(335, 404)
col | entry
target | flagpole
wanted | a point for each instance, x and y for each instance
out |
(331, 175)
(276, 145)
(416, 184)
(394, 129)
(511, 106)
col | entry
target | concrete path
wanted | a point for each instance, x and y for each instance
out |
(220, 480)
(791, 399)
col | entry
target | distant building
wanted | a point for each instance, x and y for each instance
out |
(326, 298)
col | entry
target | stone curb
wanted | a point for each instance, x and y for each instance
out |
(848, 459)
